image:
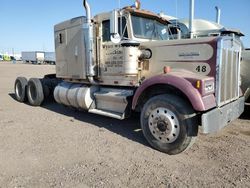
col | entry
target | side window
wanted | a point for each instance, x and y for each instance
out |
(106, 30)
(124, 32)
(60, 38)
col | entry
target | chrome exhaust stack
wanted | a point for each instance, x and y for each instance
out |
(89, 42)
(191, 18)
(88, 12)
(217, 15)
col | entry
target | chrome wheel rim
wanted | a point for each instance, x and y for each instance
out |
(164, 125)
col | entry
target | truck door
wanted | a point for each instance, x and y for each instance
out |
(111, 54)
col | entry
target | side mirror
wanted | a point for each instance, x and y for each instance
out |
(115, 36)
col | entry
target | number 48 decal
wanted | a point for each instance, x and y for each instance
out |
(200, 68)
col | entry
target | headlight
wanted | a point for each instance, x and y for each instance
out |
(209, 87)
(205, 86)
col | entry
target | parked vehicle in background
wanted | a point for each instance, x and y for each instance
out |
(205, 28)
(245, 73)
(50, 58)
(18, 57)
(34, 57)
(6, 58)
(12, 58)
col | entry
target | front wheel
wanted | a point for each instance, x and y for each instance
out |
(169, 123)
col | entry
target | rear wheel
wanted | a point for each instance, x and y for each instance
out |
(169, 123)
(20, 89)
(35, 92)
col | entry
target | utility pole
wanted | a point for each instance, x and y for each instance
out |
(13, 56)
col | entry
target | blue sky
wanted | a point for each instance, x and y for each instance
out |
(28, 24)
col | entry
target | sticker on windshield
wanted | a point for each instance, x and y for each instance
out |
(163, 31)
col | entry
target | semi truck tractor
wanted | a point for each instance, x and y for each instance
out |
(121, 62)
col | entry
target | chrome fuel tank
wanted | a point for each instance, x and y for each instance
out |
(75, 95)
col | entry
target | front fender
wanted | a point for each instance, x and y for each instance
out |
(198, 102)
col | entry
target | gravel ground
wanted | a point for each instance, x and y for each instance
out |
(55, 146)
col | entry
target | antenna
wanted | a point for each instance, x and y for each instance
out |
(119, 4)
(176, 11)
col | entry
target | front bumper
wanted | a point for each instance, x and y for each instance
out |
(216, 119)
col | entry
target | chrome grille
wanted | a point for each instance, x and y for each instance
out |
(228, 67)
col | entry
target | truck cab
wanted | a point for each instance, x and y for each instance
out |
(136, 27)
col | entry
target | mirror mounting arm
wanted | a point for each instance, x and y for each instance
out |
(115, 36)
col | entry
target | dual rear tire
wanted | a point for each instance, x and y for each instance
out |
(20, 89)
(31, 90)
(35, 93)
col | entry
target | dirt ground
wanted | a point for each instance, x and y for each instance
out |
(56, 146)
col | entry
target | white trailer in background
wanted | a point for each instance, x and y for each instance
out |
(50, 58)
(34, 57)
(18, 57)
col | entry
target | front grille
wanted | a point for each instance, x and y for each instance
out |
(228, 70)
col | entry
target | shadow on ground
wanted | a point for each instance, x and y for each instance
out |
(128, 128)
(246, 113)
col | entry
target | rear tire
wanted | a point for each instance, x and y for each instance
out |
(35, 92)
(169, 123)
(20, 89)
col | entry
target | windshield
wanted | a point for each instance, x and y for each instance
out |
(147, 28)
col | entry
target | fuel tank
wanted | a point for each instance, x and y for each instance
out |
(75, 95)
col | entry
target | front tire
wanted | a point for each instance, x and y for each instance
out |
(169, 123)
(35, 92)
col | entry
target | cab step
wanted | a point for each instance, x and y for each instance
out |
(108, 113)
(111, 102)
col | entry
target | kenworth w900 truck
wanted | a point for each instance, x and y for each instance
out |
(123, 61)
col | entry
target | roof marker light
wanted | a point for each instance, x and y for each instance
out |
(137, 4)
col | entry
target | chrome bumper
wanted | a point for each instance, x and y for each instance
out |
(218, 118)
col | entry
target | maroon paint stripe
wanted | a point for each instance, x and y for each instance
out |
(180, 83)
